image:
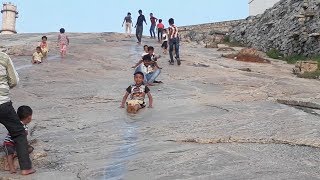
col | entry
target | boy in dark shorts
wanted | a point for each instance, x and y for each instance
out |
(136, 94)
(25, 115)
(165, 39)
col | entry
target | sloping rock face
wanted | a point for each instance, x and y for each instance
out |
(291, 26)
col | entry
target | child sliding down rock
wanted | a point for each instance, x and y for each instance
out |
(136, 94)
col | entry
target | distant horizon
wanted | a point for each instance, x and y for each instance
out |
(76, 16)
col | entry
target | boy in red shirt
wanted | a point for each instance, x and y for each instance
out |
(160, 27)
(153, 25)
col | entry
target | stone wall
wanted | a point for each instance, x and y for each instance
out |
(206, 32)
(291, 26)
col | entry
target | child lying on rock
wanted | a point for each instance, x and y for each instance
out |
(136, 94)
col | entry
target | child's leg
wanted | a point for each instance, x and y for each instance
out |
(131, 109)
(6, 164)
(11, 164)
(30, 149)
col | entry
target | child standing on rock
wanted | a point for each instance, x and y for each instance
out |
(165, 41)
(136, 94)
(25, 115)
(63, 42)
(160, 28)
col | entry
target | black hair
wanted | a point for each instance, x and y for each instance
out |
(160, 20)
(165, 30)
(150, 48)
(138, 72)
(147, 57)
(44, 37)
(140, 11)
(38, 47)
(171, 21)
(145, 46)
(129, 14)
(62, 30)
(24, 112)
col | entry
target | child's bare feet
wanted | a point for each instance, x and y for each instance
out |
(27, 172)
(13, 171)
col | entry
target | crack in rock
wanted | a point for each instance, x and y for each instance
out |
(231, 140)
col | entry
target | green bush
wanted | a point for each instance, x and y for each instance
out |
(226, 39)
(310, 75)
(298, 57)
(274, 54)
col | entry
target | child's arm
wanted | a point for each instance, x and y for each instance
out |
(59, 37)
(68, 40)
(124, 100)
(156, 64)
(137, 64)
(144, 19)
(123, 21)
(150, 100)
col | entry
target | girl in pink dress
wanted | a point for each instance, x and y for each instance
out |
(63, 42)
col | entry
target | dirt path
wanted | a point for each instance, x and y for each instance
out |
(215, 122)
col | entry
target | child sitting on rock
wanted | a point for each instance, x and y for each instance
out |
(25, 115)
(136, 94)
(37, 56)
(44, 46)
(149, 67)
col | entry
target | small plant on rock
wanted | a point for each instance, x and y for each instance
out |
(274, 54)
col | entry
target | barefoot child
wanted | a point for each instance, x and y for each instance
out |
(136, 94)
(63, 42)
(25, 115)
(37, 56)
(165, 41)
(44, 46)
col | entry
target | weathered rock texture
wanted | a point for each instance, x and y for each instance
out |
(206, 33)
(291, 26)
(305, 66)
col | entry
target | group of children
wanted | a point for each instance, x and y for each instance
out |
(146, 72)
(162, 32)
(43, 49)
(25, 116)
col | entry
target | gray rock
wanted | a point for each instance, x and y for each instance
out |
(286, 27)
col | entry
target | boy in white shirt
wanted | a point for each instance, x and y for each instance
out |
(165, 41)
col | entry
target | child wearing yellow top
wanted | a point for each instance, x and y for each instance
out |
(37, 56)
(44, 46)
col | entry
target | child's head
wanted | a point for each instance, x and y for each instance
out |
(140, 11)
(129, 14)
(151, 14)
(38, 49)
(25, 114)
(171, 21)
(160, 20)
(145, 48)
(44, 38)
(62, 30)
(150, 50)
(165, 30)
(138, 77)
